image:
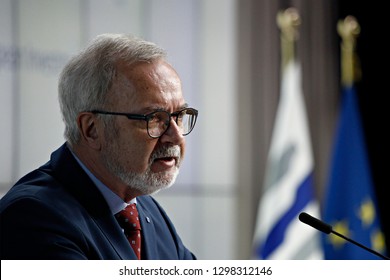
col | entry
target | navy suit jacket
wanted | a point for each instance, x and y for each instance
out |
(56, 212)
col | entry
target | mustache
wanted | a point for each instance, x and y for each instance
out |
(167, 151)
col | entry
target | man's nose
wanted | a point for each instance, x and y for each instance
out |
(173, 134)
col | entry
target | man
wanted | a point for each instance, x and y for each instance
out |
(125, 121)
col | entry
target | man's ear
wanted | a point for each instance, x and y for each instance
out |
(89, 129)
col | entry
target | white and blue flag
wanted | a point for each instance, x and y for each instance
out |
(288, 187)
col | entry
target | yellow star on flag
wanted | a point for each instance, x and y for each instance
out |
(378, 241)
(367, 212)
(342, 228)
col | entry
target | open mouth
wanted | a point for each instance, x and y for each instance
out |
(167, 160)
(163, 164)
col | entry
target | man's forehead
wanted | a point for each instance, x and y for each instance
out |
(148, 88)
(147, 74)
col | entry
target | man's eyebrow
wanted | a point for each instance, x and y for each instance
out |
(155, 108)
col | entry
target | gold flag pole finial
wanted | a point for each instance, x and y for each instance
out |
(288, 22)
(349, 30)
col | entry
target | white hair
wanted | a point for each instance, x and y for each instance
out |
(86, 79)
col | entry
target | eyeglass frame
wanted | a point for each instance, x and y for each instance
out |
(146, 117)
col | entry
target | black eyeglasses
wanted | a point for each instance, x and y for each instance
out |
(157, 122)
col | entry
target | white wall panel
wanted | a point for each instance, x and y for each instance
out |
(8, 61)
(49, 33)
(117, 16)
(218, 89)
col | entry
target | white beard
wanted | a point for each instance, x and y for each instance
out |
(147, 182)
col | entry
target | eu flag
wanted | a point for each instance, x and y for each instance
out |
(350, 204)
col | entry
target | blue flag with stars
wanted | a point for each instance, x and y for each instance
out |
(350, 204)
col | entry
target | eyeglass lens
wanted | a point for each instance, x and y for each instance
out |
(158, 122)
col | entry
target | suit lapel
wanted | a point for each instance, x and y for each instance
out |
(114, 234)
(69, 172)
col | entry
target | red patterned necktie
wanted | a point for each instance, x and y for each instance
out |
(129, 221)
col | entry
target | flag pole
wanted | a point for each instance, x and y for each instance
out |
(288, 22)
(349, 30)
